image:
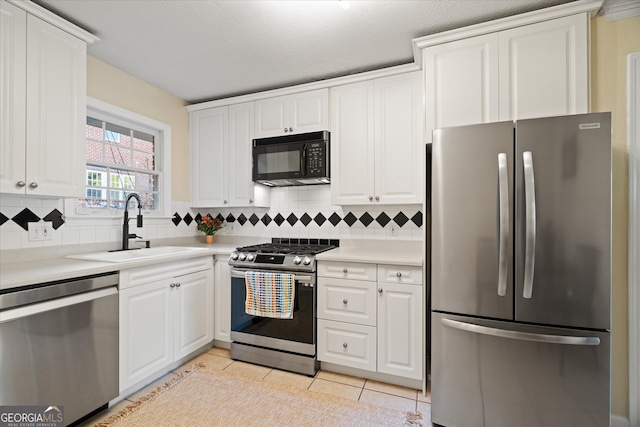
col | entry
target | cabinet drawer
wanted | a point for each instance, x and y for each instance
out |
(347, 270)
(400, 274)
(150, 273)
(347, 344)
(344, 300)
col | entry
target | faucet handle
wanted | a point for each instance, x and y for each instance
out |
(146, 242)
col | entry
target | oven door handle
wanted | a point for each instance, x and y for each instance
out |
(304, 278)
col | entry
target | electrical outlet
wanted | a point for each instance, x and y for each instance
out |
(231, 228)
(393, 231)
(40, 231)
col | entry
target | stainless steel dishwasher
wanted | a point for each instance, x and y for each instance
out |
(59, 344)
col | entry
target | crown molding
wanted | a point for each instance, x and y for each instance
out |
(614, 10)
(572, 8)
(53, 19)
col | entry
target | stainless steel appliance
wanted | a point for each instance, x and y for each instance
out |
(287, 344)
(60, 345)
(301, 159)
(521, 273)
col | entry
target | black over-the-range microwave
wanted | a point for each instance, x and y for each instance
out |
(301, 159)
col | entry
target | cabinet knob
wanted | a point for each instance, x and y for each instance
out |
(173, 285)
(344, 301)
(286, 130)
(290, 129)
(345, 345)
(399, 274)
(250, 200)
(377, 198)
(21, 183)
(344, 270)
(370, 198)
(380, 290)
(33, 185)
(177, 285)
(225, 202)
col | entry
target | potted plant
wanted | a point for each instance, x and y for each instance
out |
(209, 226)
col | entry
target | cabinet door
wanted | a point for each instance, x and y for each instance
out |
(240, 142)
(222, 299)
(399, 151)
(352, 144)
(209, 165)
(56, 111)
(544, 69)
(146, 331)
(400, 330)
(193, 312)
(461, 83)
(13, 48)
(309, 111)
(271, 117)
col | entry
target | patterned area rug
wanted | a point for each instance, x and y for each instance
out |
(202, 397)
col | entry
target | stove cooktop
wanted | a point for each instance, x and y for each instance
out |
(278, 256)
(286, 248)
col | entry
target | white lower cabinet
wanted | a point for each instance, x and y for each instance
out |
(222, 299)
(376, 324)
(166, 313)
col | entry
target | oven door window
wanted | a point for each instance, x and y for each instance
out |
(282, 161)
(299, 329)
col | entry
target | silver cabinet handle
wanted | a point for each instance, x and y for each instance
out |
(523, 336)
(225, 202)
(344, 270)
(33, 185)
(380, 290)
(250, 200)
(290, 129)
(398, 274)
(173, 285)
(286, 130)
(344, 301)
(177, 285)
(377, 198)
(530, 222)
(21, 183)
(370, 198)
(344, 345)
(503, 244)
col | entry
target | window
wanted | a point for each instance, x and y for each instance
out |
(125, 153)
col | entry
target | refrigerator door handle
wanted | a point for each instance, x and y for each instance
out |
(530, 223)
(523, 336)
(503, 255)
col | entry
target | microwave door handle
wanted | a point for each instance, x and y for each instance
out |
(303, 161)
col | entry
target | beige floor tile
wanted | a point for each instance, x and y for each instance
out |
(396, 390)
(426, 398)
(289, 378)
(425, 410)
(340, 378)
(210, 361)
(102, 416)
(335, 389)
(387, 400)
(151, 387)
(222, 352)
(247, 370)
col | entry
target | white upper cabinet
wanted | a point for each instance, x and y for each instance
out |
(376, 141)
(221, 158)
(43, 107)
(534, 70)
(461, 83)
(292, 114)
(544, 69)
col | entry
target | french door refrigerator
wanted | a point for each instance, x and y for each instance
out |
(521, 273)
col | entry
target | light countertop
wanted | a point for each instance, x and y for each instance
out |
(376, 252)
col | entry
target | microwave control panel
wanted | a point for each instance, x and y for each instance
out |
(316, 160)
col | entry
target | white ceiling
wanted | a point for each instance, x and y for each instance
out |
(205, 50)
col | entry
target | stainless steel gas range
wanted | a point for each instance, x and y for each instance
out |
(283, 343)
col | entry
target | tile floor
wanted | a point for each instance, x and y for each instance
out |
(354, 388)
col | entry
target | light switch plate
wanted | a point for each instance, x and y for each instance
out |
(40, 231)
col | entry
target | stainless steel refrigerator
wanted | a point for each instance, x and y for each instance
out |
(521, 273)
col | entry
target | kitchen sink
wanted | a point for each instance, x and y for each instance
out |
(133, 255)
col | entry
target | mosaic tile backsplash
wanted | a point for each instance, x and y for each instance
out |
(296, 212)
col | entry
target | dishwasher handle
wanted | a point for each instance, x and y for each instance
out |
(30, 310)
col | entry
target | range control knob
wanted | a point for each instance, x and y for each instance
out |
(307, 260)
(250, 257)
(297, 260)
(234, 256)
(243, 257)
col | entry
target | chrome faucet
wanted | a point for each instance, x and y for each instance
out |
(125, 226)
